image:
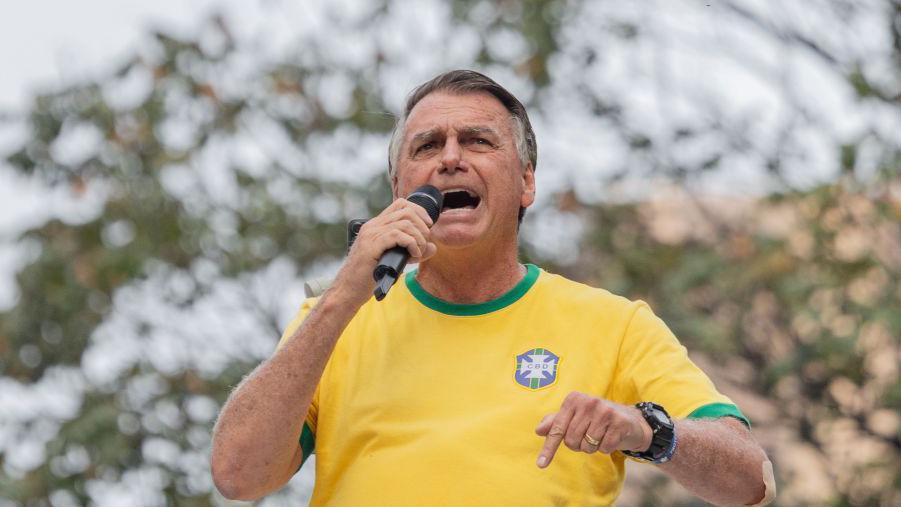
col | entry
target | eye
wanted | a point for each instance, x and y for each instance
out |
(480, 141)
(425, 146)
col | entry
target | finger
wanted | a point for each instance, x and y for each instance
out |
(376, 233)
(395, 205)
(594, 432)
(555, 436)
(414, 210)
(420, 217)
(393, 222)
(545, 425)
(409, 214)
(577, 428)
(611, 440)
(430, 250)
(423, 214)
(396, 237)
(387, 215)
(409, 228)
(587, 447)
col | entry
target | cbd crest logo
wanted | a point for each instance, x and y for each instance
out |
(536, 369)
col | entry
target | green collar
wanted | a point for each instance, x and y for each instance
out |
(439, 305)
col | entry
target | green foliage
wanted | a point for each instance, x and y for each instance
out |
(148, 225)
(805, 316)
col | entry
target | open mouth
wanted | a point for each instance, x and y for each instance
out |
(460, 199)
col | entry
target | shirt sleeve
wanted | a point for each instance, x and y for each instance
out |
(308, 433)
(654, 366)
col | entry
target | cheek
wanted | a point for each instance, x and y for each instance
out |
(405, 184)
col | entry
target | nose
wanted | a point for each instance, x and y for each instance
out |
(451, 156)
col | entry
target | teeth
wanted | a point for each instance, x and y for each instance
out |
(469, 192)
(454, 201)
(462, 208)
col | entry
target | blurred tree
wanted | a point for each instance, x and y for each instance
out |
(222, 175)
(210, 194)
(792, 303)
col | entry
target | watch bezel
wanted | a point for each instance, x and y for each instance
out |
(663, 440)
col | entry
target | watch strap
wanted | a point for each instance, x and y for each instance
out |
(663, 440)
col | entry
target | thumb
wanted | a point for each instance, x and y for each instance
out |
(430, 250)
(545, 425)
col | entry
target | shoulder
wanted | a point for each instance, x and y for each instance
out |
(297, 320)
(568, 292)
(576, 298)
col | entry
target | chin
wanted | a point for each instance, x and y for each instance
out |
(455, 237)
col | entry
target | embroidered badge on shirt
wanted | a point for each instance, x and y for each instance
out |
(536, 368)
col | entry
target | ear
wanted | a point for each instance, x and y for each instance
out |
(394, 186)
(528, 186)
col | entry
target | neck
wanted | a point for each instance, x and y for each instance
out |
(471, 275)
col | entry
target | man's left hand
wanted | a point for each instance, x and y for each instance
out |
(589, 424)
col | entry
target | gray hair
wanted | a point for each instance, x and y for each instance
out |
(468, 81)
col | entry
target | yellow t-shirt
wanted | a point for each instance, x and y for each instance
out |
(425, 402)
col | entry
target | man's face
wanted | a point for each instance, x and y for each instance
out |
(465, 143)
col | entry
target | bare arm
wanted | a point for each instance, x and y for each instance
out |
(720, 461)
(255, 441)
(717, 460)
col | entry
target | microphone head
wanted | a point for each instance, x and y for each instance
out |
(429, 198)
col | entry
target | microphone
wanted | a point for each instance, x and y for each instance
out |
(393, 261)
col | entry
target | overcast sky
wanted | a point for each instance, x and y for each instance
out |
(47, 42)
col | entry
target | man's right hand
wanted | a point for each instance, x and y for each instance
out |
(255, 442)
(400, 224)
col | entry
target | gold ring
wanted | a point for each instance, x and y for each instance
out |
(592, 441)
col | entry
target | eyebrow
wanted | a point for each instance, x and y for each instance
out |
(423, 136)
(479, 130)
(430, 134)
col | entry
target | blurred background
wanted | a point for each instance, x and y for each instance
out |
(170, 174)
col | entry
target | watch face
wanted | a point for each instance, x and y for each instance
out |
(661, 418)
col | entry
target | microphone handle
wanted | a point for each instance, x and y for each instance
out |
(392, 263)
(390, 267)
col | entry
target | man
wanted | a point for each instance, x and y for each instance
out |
(435, 394)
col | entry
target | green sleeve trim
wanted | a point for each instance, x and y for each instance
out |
(442, 306)
(717, 410)
(307, 442)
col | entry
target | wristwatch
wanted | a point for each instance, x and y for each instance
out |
(663, 440)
